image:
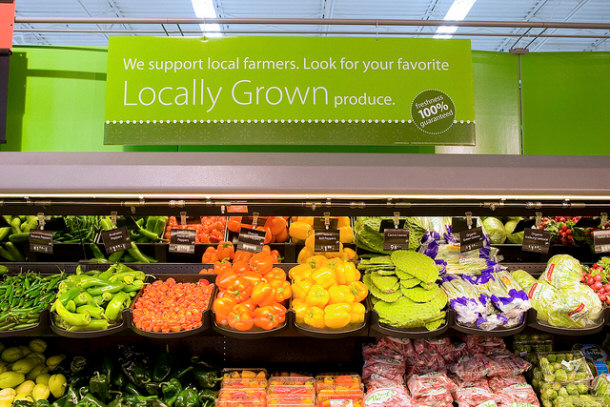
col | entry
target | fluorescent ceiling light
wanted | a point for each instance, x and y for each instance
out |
(457, 12)
(205, 9)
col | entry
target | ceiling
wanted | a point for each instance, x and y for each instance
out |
(584, 11)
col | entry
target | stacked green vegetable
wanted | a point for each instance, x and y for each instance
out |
(558, 295)
(24, 296)
(133, 255)
(28, 377)
(94, 300)
(128, 377)
(148, 230)
(79, 229)
(369, 238)
(18, 231)
(404, 290)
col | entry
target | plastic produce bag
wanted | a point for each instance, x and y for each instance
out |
(497, 383)
(575, 307)
(562, 271)
(473, 397)
(517, 393)
(394, 396)
(471, 367)
(433, 390)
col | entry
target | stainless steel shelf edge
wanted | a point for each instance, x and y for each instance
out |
(304, 175)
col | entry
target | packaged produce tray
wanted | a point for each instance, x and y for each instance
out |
(533, 322)
(180, 278)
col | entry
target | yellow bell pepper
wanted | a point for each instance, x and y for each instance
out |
(349, 254)
(340, 293)
(314, 316)
(359, 289)
(306, 219)
(343, 221)
(299, 307)
(317, 296)
(304, 254)
(310, 242)
(357, 313)
(301, 271)
(8, 395)
(324, 276)
(299, 231)
(301, 288)
(345, 272)
(346, 234)
(337, 315)
(317, 261)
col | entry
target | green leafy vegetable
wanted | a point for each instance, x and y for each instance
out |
(416, 264)
(495, 230)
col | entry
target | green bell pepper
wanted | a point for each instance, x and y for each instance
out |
(206, 379)
(187, 398)
(98, 385)
(171, 390)
(163, 367)
(207, 396)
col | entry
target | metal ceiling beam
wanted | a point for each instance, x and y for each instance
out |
(571, 14)
(428, 13)
(531, 14)
(115, 9)
(396, 33)
(327, 11)
(90, 15)
(316, 21)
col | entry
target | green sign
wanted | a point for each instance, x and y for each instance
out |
(289, 90)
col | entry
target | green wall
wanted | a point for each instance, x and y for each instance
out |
(56, 103)
(565, 103)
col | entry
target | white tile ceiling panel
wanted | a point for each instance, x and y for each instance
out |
(490, 10)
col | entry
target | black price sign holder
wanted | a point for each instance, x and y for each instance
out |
(116, 240)
(601, 241)
(471, 239)
(536, 241)
(41, 241)
(394, 236)
(327, 238)
(251, 240)
(182, 241)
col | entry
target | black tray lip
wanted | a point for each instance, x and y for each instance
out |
(43, 324)
(383, 329)
(534, 323)
(205, 315)
(497, 332)
(126, 317)
(256, 333)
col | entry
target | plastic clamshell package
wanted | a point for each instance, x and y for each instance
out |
(334, 380)
(243, 395)
(565, 367)
(291, 381)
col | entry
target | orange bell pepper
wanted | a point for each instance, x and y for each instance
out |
(314, 316)
(241, 255)
(317, 296)
(240, 318)
(280, 311)
(225, 250)
(282, 237)
(276, 274)
(234, 224)
(240, 267)
(225, 278)
(239, 290)
(265, 318)
(252, 276)
(210, 255)
(261, 262)
(324, 276)
(276, 224)
(262, 292)
(276, 256)
(220, 266)
(360, 290)
(222, 307)
(283, 290)
(249, 304)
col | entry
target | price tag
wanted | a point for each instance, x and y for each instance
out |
(182, 241)
(536, 241)
(116, 240)
(251, 240)
(318, 223)
(601, 241)
(395, 239)
(41, 241)
(389, 224)
(237, 209)
(458, 224)
(326, 241)
(471, 239)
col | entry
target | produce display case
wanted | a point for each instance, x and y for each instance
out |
(299, 185)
